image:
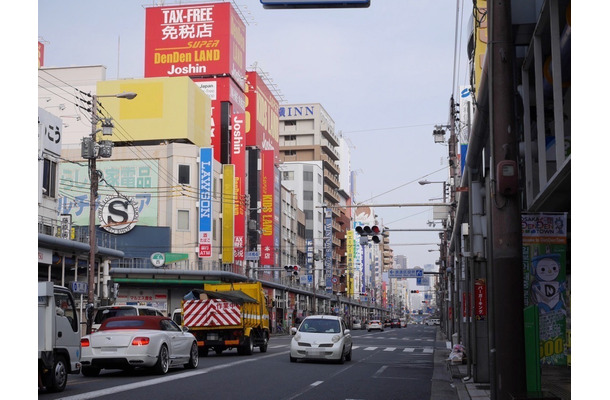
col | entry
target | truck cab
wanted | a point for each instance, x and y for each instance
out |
(58, 336)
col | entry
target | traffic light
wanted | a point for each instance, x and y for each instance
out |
(414, 291)
(372, 231)
(292, 269)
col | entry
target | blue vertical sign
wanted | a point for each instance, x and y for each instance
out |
(205, 202)
(328, 244)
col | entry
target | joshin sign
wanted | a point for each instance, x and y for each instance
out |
(195, 40)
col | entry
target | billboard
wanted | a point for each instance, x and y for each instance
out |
(546, 281)
(195, 40)
(239, 161)
(221, 90)
(137, 179)
(164, 109)
(267, 208)
(262, 115)
(205, 201)
(228, 207)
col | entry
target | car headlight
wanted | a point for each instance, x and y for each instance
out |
(297, 337)
(336, 338)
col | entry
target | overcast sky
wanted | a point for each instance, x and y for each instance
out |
(385, 75)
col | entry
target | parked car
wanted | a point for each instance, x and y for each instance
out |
(395, 323)
(356, 324)
(374, 324)
(321, 337)
(104, 312)
(138, 341)
(433, 321)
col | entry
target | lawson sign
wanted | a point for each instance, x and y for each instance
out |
(205, 202)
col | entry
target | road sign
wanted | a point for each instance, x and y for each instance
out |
(79, 287)
(423, 281)
(305, 279)
(406, 273)
(253, 255)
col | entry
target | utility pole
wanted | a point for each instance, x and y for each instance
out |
(507, 344)
(93, 178)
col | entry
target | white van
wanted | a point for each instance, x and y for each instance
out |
(433, 321)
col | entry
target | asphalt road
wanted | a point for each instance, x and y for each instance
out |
(394, 364)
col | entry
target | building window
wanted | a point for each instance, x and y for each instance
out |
(307, 195)
(184, 174)
(290, 152)
(183, 220)
(308, 176)
(290, 138)
(49, 178)
(290, 123)
(288, 175)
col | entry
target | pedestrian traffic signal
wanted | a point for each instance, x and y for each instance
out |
(292, 269)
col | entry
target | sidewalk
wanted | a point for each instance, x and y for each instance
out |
(448, 383)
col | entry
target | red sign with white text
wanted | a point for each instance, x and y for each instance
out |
(219, 90)
(480, 299)
(267, 206)
(195, 40)
(262, 115)
(238, 158)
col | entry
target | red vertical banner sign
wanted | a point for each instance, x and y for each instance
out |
(239, 160)
(267, 205)
(480, 299)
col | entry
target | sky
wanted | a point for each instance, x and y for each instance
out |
(384, 74)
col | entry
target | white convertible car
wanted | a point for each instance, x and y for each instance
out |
(138, 341)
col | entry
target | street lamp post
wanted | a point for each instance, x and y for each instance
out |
(94, 179)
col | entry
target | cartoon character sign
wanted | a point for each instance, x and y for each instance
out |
(546, 290)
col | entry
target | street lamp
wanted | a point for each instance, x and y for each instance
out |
(91, 151)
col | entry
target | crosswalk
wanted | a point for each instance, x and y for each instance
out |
(425, 350)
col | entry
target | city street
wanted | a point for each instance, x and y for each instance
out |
(394, 364)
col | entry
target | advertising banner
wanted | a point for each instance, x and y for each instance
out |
(221, 90)
(267, 210)
(262, 114)
(545, 280)
(137, 179)
(228, 206)
(239, 161)
(328, 244)
(205, 202)
(195, 40)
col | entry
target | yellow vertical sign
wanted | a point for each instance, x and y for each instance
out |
(228, 215)
(481, 37)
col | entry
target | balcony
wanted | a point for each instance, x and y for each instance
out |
(331, 194)
(329, 164)
(331, 179)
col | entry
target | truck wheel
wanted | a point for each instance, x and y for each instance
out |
(248, 347)
(194, 357)
(263, 346)
(162, 365)
(55, 379)
(90, 371)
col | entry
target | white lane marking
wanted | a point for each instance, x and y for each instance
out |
(165, 379)
(428, 350)
(409, 349)
(389, 349)
(370, 348)
(317, 383)
(355, 347)
(379, 371)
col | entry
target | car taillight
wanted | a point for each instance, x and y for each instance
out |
(84, 342)
(140, 341)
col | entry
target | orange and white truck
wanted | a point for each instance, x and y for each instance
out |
(224, 316)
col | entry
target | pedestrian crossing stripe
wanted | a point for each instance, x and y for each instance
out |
(389, 349)
(409, 350)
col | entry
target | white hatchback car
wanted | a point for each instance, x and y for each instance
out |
(374, 324)
(321, 337)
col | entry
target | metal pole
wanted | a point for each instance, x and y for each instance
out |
(93, 177)
(508, 346)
